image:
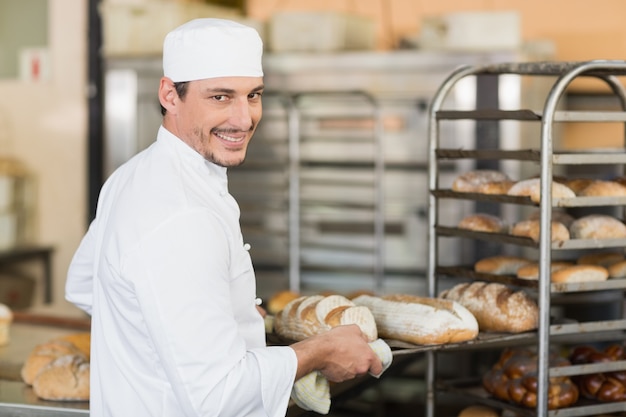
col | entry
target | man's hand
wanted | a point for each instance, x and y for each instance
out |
(340, 354)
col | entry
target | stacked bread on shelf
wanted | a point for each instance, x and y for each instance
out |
(412, 319)
(513, 378)
(601, 386)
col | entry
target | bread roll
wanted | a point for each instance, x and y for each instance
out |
(617, 269)
(532, 228)
(279, 300)
(599, 188)
(597, 226)
(64, 379)
(307, 316)
(532, 188)
(600, 258)
(581, 273)
(470, 181)
(482, 222)
(479, 411)
(531, 271)
(500, 265)
(420, 320)
(496, 307)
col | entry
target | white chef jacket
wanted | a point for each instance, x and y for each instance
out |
(165, 274)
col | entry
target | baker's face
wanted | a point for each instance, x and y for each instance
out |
(217, 117)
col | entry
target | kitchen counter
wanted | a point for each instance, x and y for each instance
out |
(18, 399)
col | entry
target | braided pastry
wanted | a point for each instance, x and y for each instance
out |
(606, 386)
(514, 378)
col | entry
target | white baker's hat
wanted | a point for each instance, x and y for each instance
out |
(211, 48)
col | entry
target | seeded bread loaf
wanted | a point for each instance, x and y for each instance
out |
(496, 307)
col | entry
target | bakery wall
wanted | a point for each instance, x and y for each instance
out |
(47, 120)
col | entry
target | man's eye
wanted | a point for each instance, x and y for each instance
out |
(219, 98)
(254, 96)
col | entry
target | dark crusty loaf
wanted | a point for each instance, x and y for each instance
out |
(496, 307)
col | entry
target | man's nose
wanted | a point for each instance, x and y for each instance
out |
(241, 115)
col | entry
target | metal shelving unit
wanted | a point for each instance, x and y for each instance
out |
(545, 155)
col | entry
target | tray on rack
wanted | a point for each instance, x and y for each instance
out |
(524, 241)
(473, 390)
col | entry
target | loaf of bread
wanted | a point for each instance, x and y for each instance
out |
(531, 270)
(500, 265)
(600, 258)
(420, 320)
(617, 269)
(279, 300)
(482, 222)
(496, 307)
(44, 354)
(514, 379)
(581, 273)
(598, 188)
(495, 187)
(597, 226)
(532, 188)
(607, 386)
(469, 182)
(307, 316)
(478, 411)
(578, 184)
(64, 379)
(532, 230)
(556, 215)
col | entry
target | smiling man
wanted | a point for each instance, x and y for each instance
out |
(163, 269)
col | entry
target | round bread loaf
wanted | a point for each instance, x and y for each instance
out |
(532, 229)
(599, 188)
(495, 187)
(600, 258)
(597, 226)
(64, 379)
(469, 182)
(479, 411)
(500, 265)
(496, 307)
(581, 273)
(531, 271)
(532, 188)
(482, 222)
(44, 354)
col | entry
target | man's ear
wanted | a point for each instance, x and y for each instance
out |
(168, 94)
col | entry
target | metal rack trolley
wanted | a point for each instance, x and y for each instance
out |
(564, 73)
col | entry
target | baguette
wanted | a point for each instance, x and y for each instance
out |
(307, 316)
(496, 307)
(581, 273)
(500, 265)
(420, 320)
(531, 271)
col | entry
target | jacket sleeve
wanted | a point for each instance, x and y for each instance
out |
(79, 283)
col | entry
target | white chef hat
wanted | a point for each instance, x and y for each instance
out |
(211, 48)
